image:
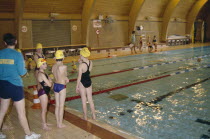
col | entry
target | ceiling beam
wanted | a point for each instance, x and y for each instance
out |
(46, 16)
(86, 16)
(133, 15)
(192, 14)
(166, 18)
(6, 15)
(19, 4)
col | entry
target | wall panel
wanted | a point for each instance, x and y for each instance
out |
(51, 33)
(111, 35)
(177, 28)
(6, 26)
(76, 34)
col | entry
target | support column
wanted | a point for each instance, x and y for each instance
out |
(166, 18)
(19, 4)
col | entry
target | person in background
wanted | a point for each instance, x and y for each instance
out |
(84, 83)
(148, 39)
(43, 93)
(30, 66)
(155, 43)
(74, 66)
(140, 43)
(133, 42)
(38, 55)
(150, 48)
(12, 67)
(59, 71)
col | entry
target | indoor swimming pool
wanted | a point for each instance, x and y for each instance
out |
(153, 96)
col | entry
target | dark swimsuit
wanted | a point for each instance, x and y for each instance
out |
(38, 58)
(44, 89)
(85, 79)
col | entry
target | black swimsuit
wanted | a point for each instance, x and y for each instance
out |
(45, 88)
(85, 79)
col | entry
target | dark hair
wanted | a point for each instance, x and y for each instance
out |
(9, 39)
(133, 32)
(59, 59)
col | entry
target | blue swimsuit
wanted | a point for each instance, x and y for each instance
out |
(58, 87)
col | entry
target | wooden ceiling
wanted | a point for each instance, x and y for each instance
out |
(7, 5)
(54, 6)
(113, 7)
(154, 8)
(183, 8)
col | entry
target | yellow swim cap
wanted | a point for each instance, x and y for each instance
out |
(40, 62)
(51, 76)
(85, 52)
(18, 50)
(29, 59)
(38, 46)
(59, 54)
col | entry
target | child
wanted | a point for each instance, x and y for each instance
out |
(29, 66)
(155, 43)
(74, 66)
(140, 43)
(150, 48)
(59, 71)
(84, 83)
(45, 83)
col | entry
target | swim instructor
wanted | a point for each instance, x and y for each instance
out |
(12, 67)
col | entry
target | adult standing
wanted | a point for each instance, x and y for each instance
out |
(12, 67)
(133, 42)
(38, 54)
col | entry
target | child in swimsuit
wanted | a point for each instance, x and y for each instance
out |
(43, 92)
(84, 83)
(74, 66)
(150, 48)
(140, 43)
(155, 43)
(59, 71)
(30, 66)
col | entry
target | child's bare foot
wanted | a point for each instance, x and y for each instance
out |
(84, 117)
(49, 124)
(61, 126)
(45, 127)
(94, 116)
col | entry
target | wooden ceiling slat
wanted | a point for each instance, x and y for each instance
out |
(183, 8)
(57, 6)
(113, 7)
(7, 5)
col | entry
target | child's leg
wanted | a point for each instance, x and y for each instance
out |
(57, 102)
(62, 97)
(44, 103)
(90, 100)
(84, 100)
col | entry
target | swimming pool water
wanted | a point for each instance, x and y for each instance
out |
(173, 116)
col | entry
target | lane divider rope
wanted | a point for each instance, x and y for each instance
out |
(136, 68)
(131, 84)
